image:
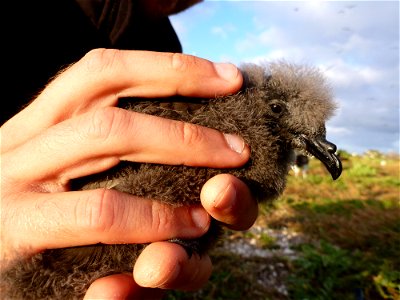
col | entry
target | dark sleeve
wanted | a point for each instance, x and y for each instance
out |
(127, 27)
(42, 37)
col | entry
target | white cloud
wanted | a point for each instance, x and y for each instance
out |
(347, 75)
(219, 31)
(338, 131)
(272, 36)
(356, 45)
(223, 31)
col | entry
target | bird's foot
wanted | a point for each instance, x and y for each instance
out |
(191, 246)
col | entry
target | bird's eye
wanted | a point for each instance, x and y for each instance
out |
(276, 108)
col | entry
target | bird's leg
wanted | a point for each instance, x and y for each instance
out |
(201, 245)
(191, 246)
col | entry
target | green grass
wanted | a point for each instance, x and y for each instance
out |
(232, 280)
(352, 238)
(325, 271)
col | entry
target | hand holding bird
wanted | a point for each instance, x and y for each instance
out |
(282, 107)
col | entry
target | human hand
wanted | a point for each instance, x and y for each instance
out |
(72, 129)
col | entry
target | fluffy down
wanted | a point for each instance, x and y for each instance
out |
(305, 103)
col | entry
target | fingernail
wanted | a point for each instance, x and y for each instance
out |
(200, 217)
(225, 198)
(226, 71)
(236, 143)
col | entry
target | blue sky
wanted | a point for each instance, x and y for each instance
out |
(355, 43)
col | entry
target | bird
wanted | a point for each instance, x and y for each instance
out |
(282, 107)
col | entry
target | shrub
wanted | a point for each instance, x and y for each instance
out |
(362, 170)
(387, 282)
(326, 272)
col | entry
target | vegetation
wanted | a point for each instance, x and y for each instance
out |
(350, 245)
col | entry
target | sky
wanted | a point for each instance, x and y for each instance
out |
(354, 43)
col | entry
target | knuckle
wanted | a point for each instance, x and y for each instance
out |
(191, 134)
(182, 62)
(99, 212)
(160, 218)
(101, 123)
(99, 60)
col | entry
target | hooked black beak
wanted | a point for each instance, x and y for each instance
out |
(325, 152)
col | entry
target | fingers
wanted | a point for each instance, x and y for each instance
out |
(98, 140)
(124, 73)
(229, 200)
(104, 75)
(167, 266)
(120, 287)
(59, 220)
(161, 265)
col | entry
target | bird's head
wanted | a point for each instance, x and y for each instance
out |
(298, 103)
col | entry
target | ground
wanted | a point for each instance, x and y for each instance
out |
(321, 239)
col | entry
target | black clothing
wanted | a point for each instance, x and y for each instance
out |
(43, 36)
